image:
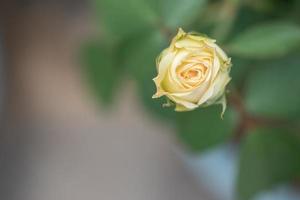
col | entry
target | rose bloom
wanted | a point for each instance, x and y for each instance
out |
(193, 71)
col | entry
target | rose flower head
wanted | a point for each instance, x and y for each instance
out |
(192, 72)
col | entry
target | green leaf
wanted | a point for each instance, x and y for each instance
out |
(240, 70)
(125, 17)
(247, 17)
(139, 55)
(203, 128)
(266, 40)
(268, 157)
(274, 91)
(178, 13)
(101, 70)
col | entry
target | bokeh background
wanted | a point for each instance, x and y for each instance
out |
(77, 117)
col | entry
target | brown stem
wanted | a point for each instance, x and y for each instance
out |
(236, 101)
(248, 121)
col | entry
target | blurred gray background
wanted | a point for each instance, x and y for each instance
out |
(57, 143)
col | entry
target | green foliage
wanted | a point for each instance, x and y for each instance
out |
(139, 56)
(203, 128)
(101, 69)
(274, 90)
(263, 40)
(139, 53)
(126, 17)
(266, 40)
(240, 70)
(247, 17)
(268, 157)
(176, 13)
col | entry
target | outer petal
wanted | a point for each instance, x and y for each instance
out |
(188, 43)
(195, 95)
(163, 65)
(180, 34)
(181, 104)
(225, 61)
(216, 90)
(215, 66)
(200, 37)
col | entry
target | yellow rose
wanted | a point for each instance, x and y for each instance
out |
(193, 71)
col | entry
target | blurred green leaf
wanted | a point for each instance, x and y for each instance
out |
(203, 128)
(125, 17)
(274, 91)
(178, 13)
(102, 72)
(247, 17)
(240, 70)
(266, 40)
(139, 55)
(268, 157)
(295, 11)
